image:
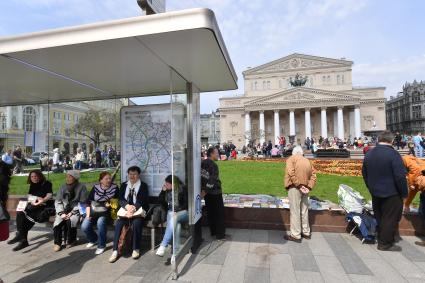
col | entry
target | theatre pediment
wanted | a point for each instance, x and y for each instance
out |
(302, 94)
(298, 62)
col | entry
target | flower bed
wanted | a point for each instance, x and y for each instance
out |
(339, 167)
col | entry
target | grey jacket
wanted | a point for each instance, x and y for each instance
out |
(64, 200)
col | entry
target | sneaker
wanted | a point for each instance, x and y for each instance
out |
(392, 248)
(20, 246)
(56, 248)
(91, 245)
(14, 240)
(99, 251)
(160, 251)
(135, 254)
(113, 257)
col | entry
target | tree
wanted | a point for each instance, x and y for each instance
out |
(97, 125)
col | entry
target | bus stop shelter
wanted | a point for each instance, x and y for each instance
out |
(179, 54)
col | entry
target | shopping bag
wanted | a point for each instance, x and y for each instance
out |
(349, 199)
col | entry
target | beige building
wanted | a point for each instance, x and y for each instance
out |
(327, 105)
(42, 127)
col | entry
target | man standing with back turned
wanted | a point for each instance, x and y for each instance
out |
(385, 177)
(211, 191)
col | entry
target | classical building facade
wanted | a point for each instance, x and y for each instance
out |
(210, 128)
(406, 111)
(43, 127)
(327, 105)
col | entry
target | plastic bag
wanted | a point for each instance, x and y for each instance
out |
(350, 200)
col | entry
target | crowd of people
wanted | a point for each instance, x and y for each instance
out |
(126, 207)
(59, 161)
(392, 180)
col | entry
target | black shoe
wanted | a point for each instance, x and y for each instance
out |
(307, 237)
(420, 243)
(392, 248)
(20, 246)
(14, 240)
(291, 238)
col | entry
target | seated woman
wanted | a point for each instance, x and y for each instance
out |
(38, 210)
(176, 217)
(70, 196)
(99, 197)
(133, 195)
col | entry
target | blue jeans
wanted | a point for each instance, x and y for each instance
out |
(87, 228)
(179, 217)
(419, 151)
(78, 165)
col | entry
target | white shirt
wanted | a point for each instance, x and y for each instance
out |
(136, 188)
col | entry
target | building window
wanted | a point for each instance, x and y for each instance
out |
(280, 83)
(29, 119)
(67, 117)
(255, 85)
(3, 121)
(324, 80)
(416, 111)
(342, 79)
(268, 85)
(264, 85)
(338, 79)
(57, 115)
(328, 80)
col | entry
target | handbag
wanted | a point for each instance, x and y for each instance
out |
(98, 209)
(4, 214)
(126, 239)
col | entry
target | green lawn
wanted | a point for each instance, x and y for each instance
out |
(238, 177)
(250, 177)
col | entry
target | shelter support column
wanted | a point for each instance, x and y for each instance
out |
(357, 129)
(262, 128)
(276, 127)
(340, 116)
(307, 123)
(247, 128)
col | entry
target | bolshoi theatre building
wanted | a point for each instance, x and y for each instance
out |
(325, 105)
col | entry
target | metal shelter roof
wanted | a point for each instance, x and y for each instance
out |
(122, 58)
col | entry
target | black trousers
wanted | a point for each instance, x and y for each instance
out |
(23, 225)
(64, 232)
(215, 215)
(388, 213)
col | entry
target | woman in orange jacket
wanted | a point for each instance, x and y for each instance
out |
(415, 179)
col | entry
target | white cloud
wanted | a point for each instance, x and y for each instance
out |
(392, 73)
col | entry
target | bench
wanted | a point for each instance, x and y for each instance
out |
(153, 201)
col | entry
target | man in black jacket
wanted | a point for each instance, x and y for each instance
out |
(385, 177)
(211, 190)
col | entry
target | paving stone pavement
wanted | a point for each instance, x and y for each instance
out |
(249, 256)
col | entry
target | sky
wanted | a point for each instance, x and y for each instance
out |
(385, 39)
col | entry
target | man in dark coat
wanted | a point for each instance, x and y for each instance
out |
(385, 177)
